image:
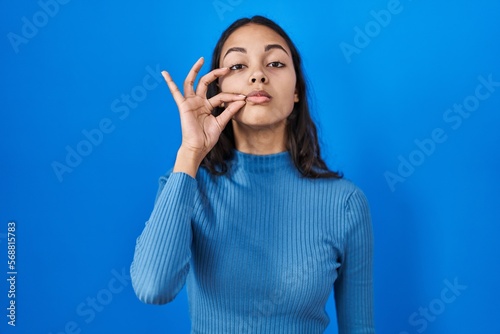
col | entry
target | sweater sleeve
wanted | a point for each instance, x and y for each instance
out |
(354, 285)
(163, 250)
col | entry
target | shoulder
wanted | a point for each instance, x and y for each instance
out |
(344, 185)
(341, 190)
(356, 209)
(348, 201)
(353, 195)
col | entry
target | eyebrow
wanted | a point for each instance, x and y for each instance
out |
(274, 46)
(266, 49)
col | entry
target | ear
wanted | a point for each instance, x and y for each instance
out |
(296, 96)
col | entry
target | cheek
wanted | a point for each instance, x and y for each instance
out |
(290, 83)
(291, 89)
(220, 82)
(228, 85)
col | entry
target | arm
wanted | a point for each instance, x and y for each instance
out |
(354, 285)
(163, 250)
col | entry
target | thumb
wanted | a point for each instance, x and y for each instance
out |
(229, 112)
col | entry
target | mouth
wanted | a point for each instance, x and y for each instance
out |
(259, 97)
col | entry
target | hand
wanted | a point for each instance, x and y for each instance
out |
(200, 129)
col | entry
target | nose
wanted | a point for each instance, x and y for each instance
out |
(258, 76)
(262, 79)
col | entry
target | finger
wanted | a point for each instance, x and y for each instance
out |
(191, 77)
(228, 113)
(208, 78)
(174, 90)
(219, 99)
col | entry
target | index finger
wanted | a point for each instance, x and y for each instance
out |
(208, 78)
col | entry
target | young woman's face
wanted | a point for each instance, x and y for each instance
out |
(261, 68)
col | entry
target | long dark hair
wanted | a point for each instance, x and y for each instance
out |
(302, 140)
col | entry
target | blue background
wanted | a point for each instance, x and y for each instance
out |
(76, 228)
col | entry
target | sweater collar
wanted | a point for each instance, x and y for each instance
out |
(262, 163)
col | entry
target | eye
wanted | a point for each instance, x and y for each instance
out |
(276, 64)
(236, 67)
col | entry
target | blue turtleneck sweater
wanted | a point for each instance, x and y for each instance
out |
(260, 249)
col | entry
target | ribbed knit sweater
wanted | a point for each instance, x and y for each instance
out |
(260, 248)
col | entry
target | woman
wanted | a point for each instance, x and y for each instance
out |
(251, 217)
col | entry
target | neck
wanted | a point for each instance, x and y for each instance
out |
(260, 140)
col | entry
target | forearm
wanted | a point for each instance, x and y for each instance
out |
(187, 161)
(163, 250)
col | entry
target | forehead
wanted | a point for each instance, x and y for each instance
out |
(254, 36)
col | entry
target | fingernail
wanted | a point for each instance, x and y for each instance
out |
(242, 95)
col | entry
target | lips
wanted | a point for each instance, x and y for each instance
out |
(259, 97)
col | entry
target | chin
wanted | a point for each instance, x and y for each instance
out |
(258, 122)
(253, 115)
(259, 116)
